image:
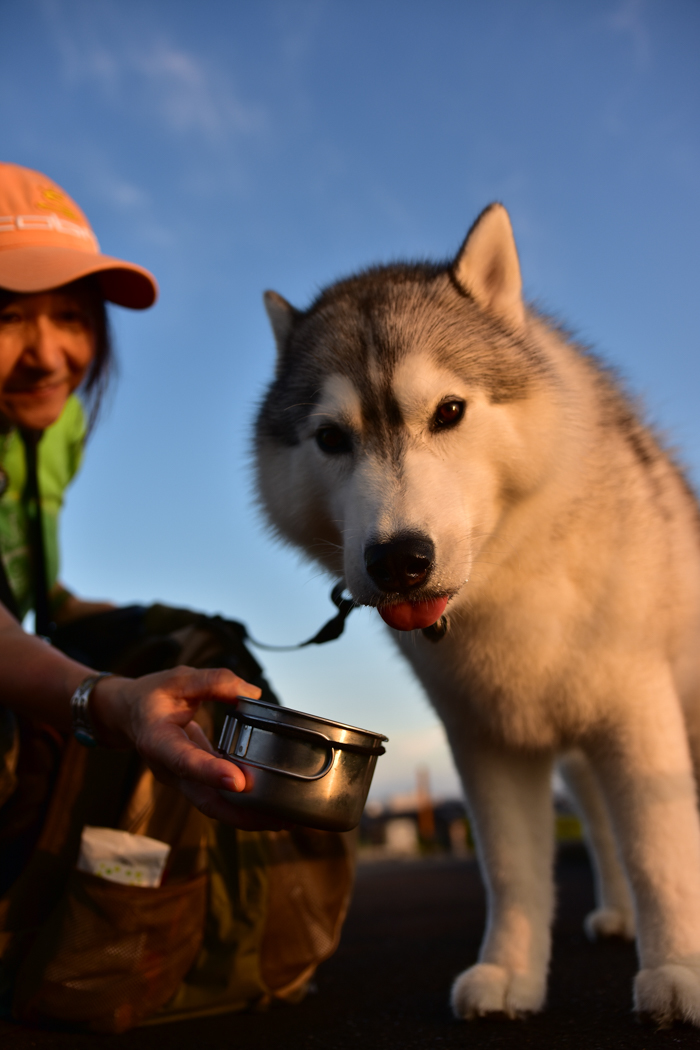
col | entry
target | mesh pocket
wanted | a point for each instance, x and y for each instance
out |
(111, 954)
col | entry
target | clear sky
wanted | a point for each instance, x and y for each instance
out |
(237, 146)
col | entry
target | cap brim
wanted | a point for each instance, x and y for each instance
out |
(40, 269)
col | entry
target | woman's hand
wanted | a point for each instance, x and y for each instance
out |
(155, 714)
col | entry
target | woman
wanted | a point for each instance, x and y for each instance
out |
(243, 917)
(54, 340)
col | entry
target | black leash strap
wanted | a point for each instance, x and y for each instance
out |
(328, 633)
(31, 439)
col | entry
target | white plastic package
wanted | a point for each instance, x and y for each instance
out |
(118, 856)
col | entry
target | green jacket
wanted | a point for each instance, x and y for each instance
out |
(60, 453)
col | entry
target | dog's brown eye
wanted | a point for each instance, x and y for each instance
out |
(449, 413)
(333, 440)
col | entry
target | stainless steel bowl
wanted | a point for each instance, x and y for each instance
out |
(304, 769)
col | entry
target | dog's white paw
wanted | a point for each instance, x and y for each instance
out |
(669, 993)
(609, 922)
(489, 989)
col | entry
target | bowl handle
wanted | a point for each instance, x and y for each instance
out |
(282, 730)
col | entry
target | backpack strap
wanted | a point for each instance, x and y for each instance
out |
(31, 439)
(7, 596)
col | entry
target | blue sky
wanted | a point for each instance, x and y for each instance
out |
(233, 147)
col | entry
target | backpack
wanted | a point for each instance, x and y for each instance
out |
(242, 918)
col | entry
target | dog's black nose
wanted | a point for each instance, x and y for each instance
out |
(402, 564)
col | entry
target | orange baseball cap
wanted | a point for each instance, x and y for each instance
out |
(46, 241)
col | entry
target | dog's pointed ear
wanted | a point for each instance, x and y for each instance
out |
(281, 315)
(487, 267)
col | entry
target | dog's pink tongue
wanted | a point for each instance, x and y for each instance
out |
(409, 616)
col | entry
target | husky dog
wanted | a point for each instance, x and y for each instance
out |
(487, 486)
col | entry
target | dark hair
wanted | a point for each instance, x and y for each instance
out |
(103, 365)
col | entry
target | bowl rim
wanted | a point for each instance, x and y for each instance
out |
(305, 714)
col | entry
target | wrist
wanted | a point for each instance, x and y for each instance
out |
(109, 712)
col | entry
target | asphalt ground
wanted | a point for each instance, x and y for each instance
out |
(412, 927)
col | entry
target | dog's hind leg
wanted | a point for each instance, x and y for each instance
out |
(613, 915)
(509, 797)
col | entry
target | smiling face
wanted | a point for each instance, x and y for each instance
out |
(47, 342)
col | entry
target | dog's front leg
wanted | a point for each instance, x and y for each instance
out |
(510, 801)
(645, 769)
